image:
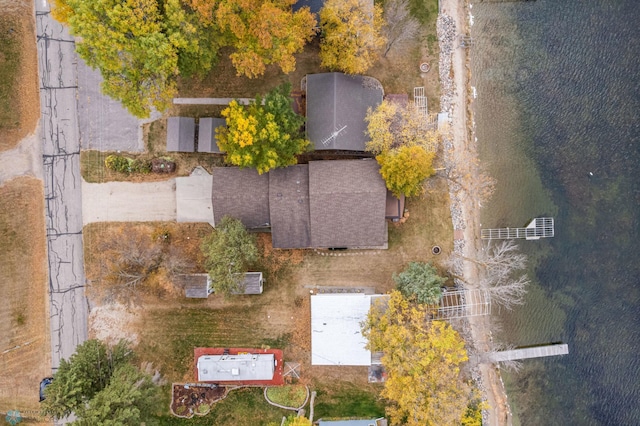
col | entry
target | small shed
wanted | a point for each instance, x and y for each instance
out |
(181, 134)
(207, 134)
(199, 286)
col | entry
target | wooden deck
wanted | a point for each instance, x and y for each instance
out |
(540, 227)
(526, 353)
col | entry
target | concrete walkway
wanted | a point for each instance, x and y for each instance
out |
(63, 197)
(23, 160)
(128, 202)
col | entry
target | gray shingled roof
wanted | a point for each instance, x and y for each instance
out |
(240, 193)
(314, 5)
(323, 204)
(207, 134)
(289, 207)
(348, 203)
(181, 134)
(336, 107)
(197, 285)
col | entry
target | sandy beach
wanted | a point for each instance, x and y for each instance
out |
(453, 22)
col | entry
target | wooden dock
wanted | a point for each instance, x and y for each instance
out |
(540, 227)
(526, 353)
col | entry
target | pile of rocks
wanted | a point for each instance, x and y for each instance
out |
(446, 30)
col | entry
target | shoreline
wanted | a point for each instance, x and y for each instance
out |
(453, 20)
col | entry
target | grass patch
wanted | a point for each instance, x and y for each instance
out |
(9, 66)
(425, 11)
(23, 290)
(346, 400)
(170, 335)
(290, 396)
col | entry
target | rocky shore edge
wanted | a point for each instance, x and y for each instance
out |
(464, 217)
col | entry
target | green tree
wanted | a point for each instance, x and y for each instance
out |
(82, 384)
(229, 251)
(420, 282)
(130, 398)
(126, 41)
(422, 358)
(351, 35)
(263, 135)
(404, 169)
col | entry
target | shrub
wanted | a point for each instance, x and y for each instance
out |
(117, 163)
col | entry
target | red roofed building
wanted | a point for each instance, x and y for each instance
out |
(239, 366)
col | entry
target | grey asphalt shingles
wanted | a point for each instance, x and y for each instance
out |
(63, 196)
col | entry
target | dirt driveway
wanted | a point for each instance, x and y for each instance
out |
(128, 202)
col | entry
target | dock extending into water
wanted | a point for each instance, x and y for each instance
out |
(526, 353)
(540, 227)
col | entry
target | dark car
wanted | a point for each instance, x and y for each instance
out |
(43, 385)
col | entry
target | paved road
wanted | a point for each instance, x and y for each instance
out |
(63, 197)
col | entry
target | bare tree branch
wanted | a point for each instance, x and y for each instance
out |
(399, 24)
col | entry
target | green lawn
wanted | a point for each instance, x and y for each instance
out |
(341, 399)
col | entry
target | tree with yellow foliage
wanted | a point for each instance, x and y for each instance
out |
(422, 359)
(264, 32)
(391, 126)
(263, 135)
(351, 35)
(405, 168)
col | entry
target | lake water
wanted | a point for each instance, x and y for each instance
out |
(557, 115)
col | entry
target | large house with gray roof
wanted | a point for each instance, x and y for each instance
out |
(323, 204)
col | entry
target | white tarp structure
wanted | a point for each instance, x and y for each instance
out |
(336, 338)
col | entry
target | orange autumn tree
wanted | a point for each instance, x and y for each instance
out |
(264, 32)
(422, 359)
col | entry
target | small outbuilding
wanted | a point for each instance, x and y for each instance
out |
(207, 134)
(199, 286)
(181, 134)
